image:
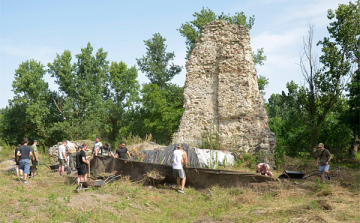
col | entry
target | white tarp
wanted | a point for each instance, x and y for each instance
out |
(214, 158)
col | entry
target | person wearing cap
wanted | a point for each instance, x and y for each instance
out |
(35, 158)
(18, 170)
(104, 150)
(323, 161)
(179, 159)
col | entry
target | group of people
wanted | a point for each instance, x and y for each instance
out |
(23, 155)
(79, 162)
(323, 163)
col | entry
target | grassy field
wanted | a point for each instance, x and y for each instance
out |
(51, 198)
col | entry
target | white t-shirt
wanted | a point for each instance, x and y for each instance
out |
(97, 145)
(177, 158)
(61, 151)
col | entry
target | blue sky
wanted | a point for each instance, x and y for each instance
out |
(41, 29)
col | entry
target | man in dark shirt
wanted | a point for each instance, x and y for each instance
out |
(104, 150)
(122, 152)
(323, 161)
(24, 161)
(82, 164)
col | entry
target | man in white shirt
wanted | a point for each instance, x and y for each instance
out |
(179, 158)
(97, 145)
(62, 158)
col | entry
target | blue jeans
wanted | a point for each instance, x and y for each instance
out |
(25, 166)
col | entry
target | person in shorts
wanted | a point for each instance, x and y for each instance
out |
(179, 159)
(18, 171)
(24, 155)
(35, 159)
(62, 158)
(82, 164)
(78, 166)
(323, 161)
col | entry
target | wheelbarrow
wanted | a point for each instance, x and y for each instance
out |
(288, 174)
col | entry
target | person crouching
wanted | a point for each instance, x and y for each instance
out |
(264, 169)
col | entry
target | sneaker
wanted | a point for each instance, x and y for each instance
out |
(25, 182)
(329, 178)
(20, 177)
(181, 191)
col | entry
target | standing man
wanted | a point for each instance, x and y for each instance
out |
(323, 161)
(71, 151)
(24, 155)
(97, 145)
(104, 150)
(82, 164)
(179, 158)
(35, 159)
(62, 158)
(122, 152)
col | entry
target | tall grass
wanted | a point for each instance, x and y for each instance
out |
(7, 151)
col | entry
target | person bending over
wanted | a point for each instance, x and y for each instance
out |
(264, 169)
(104, 150)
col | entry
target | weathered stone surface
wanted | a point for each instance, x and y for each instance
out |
(221, 93)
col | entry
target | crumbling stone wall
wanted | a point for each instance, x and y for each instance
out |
(221, 93)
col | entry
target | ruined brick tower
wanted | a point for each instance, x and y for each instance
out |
(221, 94)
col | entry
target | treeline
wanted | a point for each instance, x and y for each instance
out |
(97, 97)
(327, 107)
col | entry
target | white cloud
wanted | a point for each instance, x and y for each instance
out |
(40, 53)
(314, 10)
(277, 42)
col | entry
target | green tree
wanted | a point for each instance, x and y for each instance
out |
(156, 63)
(343, 48)
(123, 94)
(191, 30)
(162, 111)
(83, 86)
(28, 112)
